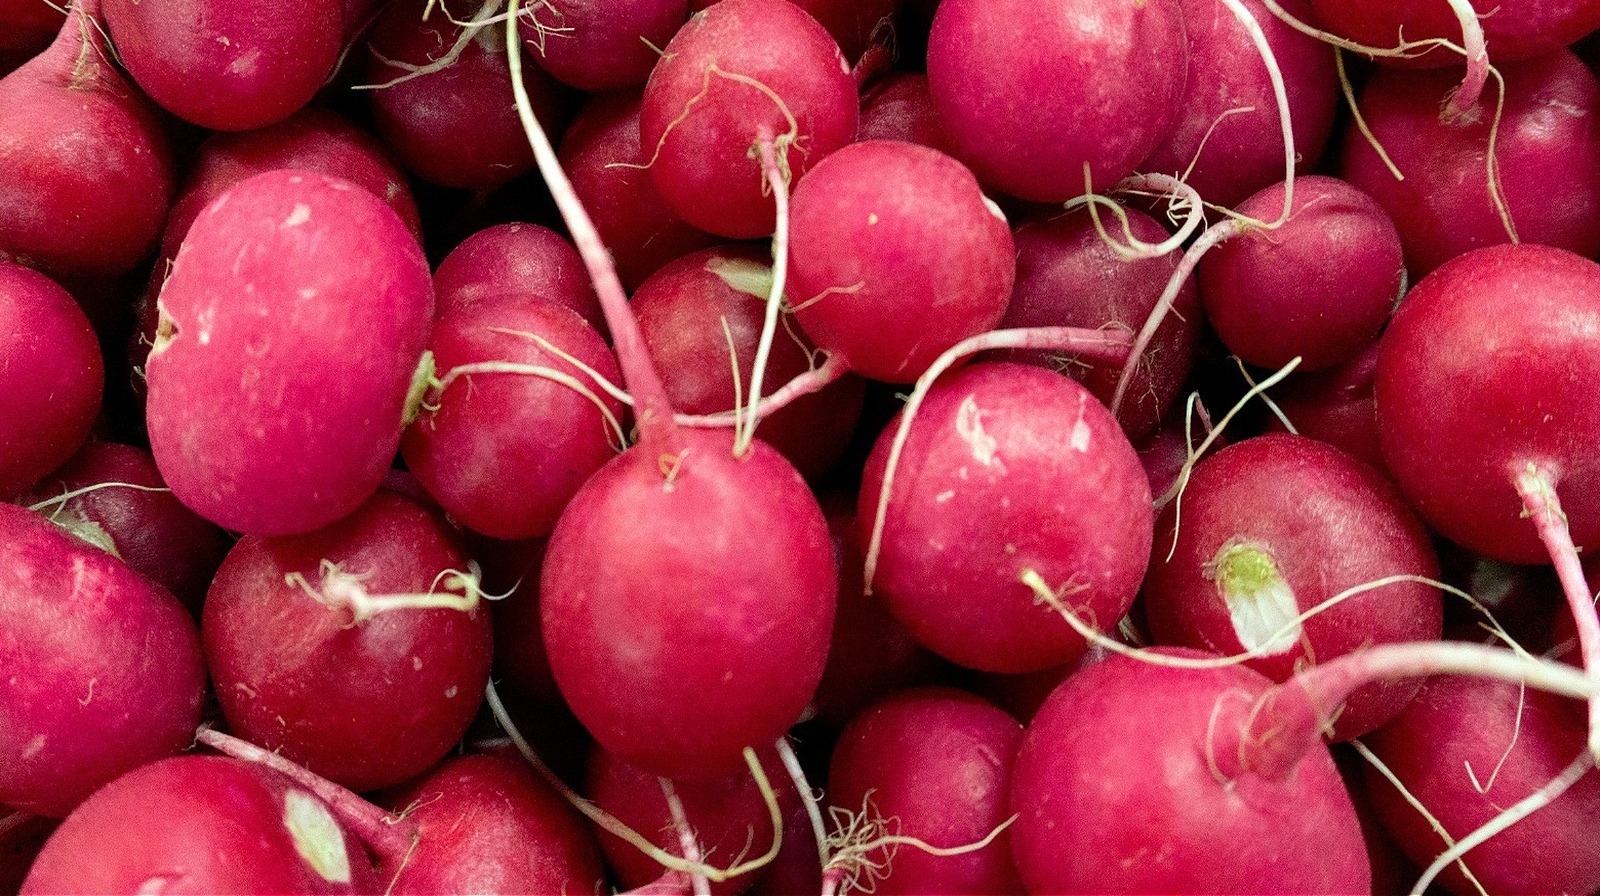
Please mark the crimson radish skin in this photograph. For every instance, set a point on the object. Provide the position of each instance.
(1116, 793)
(224, 826)
(1336, 405)
(366, 697)
(105, 671)
(302, 304)
(517, 257)
(900, 107)
(1008, 467)
(1269, 528)
(1518, 29)
(601, 45)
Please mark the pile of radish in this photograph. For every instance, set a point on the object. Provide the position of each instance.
(799, 446)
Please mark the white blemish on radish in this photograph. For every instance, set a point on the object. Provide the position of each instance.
(246, 690)
(416, 664)
(300, 215)
(969, 426)
(872, 218)
(1261, 604)
(33, 747)
(88, 698)
(316, 835)
(206, 319)
(944, 496)
(1079, 440)
(223, 39)
(152, 886)
(994, 209)
(246, 65)
(450, 692)
(307, 293)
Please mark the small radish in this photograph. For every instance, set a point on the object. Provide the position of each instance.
(526, 258)
(601, 45)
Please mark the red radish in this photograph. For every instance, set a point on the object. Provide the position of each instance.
(105, 672)
(21, 837)
(30, 24)
(113, 497)
(302, 304)
(1336, 406)
(439, 99)
(895, 256)
(601, 46)
(521, 667)
(487, 824)
(900, 107)
(932, 764)
(51, 377)
(1546, 160)
(1513, 29)
(696, 311)
(1271, 528)
(521, 258)
(511, 431)
(1007, 467)
(1319, 287)
(1033, 93)
(1069, 275)
(851, 22)
(739, 74)
(1469, 751)
(85, 170)
(225, 66)
(359, 650)
(224, 826)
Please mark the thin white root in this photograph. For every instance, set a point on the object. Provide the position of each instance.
(451, 589)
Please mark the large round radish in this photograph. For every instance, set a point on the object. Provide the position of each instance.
(301, 304)
(895, 256)
(743, 73)
(1033, 93)
(1008, 467)
(103, 671)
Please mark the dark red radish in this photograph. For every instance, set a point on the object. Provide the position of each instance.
(728, 816)
(1069, 275)
(740, 74)
(488, 824)
(796, 867)
(511, 569)
(933, 764)
(29, 25)
(1336, 406)
(601, 45)
(85, 169)
(1117, 788)
(439, 97)
(702, 314)
(1469, 751)
(1227, 142)
(853, 23)
(1007, 467)
(104, 667)
(510, 429)
(899, 106)
(51, 377)
(516, 258)
(22, 835)
(302, 304)
(113, 497)
(202, 824)
(226, 66)
(895, 256)
(1271, 528)
(359, 651)
(601, 153)
(1513, 29)
(1033, 93)
(1547, 160)
(1319, 287)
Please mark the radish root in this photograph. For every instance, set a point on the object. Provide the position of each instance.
(336, 588)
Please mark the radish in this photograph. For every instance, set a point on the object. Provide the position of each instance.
(899, 106)
(601, 46)
(740, 74)
(30, 25)
(1038, 97)
(1518, 29)
(1335, 405)
(303, 304)
(51, 377)
(359, 650)
(225, 826)
(85, 169)
(526, 258)
(104, 667)
(225, 66)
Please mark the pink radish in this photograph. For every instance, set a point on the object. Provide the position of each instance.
(522, 258)
(601, 46)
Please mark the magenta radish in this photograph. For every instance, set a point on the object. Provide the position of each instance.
(1471, 750)
(1269, 529)
(900, 107)
(895, 256)
(359, 651)
(739, 74)
(224, 66)
(1319, 287)
(1068, 275)
(85, 169)
(106, 671)
(932, 764)
(51, 377)
(225, 826)
(302, 304)
(601, 46)
(1546, 159)
(1518, 29)
(113, 497)
(1007, 467)
(523, 258)
(1032, 94)
(511, 429)
(702, 314)
(1336, 406)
